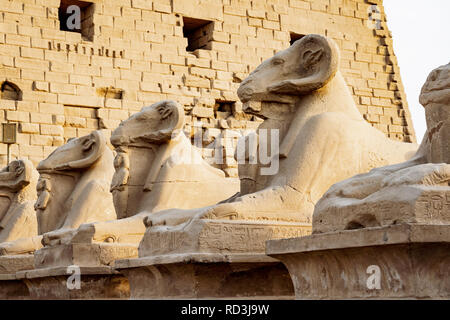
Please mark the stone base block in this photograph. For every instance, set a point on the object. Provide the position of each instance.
(217, 236)
(412, 204)
(397, 262)
(83, 254)
(52, 283)
(207, 276)
(13, 263)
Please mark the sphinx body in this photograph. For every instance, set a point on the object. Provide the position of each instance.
(73, 188)
(303, 99)
(415, 191)
(17, 197)
(156, 168)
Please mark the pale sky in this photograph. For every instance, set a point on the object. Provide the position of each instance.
(421, 32)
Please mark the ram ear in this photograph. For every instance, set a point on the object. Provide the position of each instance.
(92, 146)
(172, 121)
(318, 59)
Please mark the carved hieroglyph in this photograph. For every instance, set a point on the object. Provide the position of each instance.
(416, 191)
(303, 98)
(157, 168)
(17, 197)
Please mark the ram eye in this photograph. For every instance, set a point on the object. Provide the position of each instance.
(277, 61)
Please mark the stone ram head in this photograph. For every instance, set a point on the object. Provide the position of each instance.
(309, 64)
(154, 124)
(77, 153)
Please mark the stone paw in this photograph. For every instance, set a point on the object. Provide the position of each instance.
(221, 211)
(54, 238)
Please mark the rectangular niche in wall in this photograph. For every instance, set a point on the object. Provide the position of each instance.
(223, 109)
(77, 16)
(295, 36)
(198, 32)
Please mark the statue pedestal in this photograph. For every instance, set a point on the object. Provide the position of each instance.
(10, 286)
(46, 275)
(83, 254)
(411, 261)
(207, 276)
(95, 283)
(211, 259)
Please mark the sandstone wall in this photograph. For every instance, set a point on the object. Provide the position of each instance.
(133, 53)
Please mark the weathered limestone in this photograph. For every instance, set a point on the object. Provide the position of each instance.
(384, 234)
(412, 261)
(138, 55)
(207, 276)
(416, 191)
(73, 188)
(309, 113)
(156, 168)
(18, 221)
(17, 197)
(323, 139)
(51, 283)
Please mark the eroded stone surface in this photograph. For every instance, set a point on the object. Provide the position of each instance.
(411, 262)
(416, 191)
(9, 264)
(215, 236)
(203, 276)
(73, 188)
(303, 99)
(17, 197)
(323, 139)
(156, 168)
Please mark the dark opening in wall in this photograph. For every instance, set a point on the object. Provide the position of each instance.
(198, 33)
(110, 93)
(77, 16)
(223, 109)
(295, 37)
(9, 91)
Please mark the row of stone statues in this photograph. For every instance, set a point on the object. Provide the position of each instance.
(159, 192)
